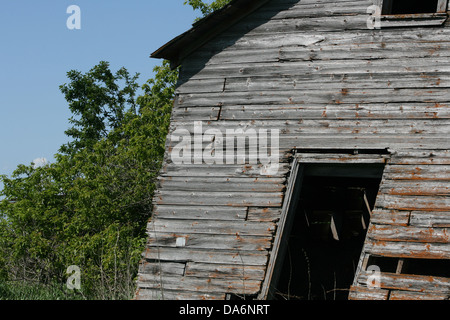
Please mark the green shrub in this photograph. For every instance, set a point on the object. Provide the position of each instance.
(90, 208)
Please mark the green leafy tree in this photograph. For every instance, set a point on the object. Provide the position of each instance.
(97, 103)
(207, 8)
(29, 233)
(90, 207)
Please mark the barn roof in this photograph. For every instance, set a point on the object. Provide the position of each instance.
(206, 29)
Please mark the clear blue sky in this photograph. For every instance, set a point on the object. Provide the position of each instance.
(37, 49)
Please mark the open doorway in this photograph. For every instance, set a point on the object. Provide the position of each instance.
(324, 234)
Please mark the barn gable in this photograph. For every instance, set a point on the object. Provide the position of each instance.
(342, 179)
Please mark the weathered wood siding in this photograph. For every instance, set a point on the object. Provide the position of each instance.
(313, 70)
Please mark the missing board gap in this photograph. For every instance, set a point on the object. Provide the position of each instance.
(427, 267)
(385, 264)
(399, 7)
(411, 266)
(355, 151)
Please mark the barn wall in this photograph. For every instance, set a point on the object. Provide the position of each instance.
(313, 70)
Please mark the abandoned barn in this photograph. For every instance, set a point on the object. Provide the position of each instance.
(308, 155)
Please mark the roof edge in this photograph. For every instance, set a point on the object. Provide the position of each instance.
(205, 29)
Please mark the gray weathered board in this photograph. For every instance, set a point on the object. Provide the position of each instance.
(313, 70)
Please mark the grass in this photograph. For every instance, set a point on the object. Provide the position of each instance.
(20, 290)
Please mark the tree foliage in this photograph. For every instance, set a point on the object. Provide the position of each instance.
(207, 8)
(97, 103)
(90, 207)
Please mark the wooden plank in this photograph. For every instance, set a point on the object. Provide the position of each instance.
(410, 282)
(336, 112)
(351, 82)
(415, 188)
(336, 225)
(259, 129)
(298, 125)
(442, 6)
(233, 199)
(205, 270)
(332, 76)
(414, 234)
(222, 184)
(317, 141)
(369, 51)
(145, 293)
(411, 37)
(349, 36)
(418, 172)
(328, 96)
(400, 266)
(418, 203)
(412, 153)
(318, 67)
(218, 213)
(198, 113)
(341, 158)
(367, 213)
(323, 125)
(421, 161)
(212, 242)
(301, 25)
(263, 49)
(319, 24)
(208, 285)
(408, 249)
(248, 155)
(236, 257)
(433, 159)
(329, 52)
(363, 293)
(413, 20)
(219, 170)
(390, 217)
(212, 227)
(283, 228)
(411, 296)
(264, 214)
(430, 219)
(308, 82)
(158, 268)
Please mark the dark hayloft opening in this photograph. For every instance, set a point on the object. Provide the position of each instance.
(328, 232)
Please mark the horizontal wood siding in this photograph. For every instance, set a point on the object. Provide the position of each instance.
(314, 71)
